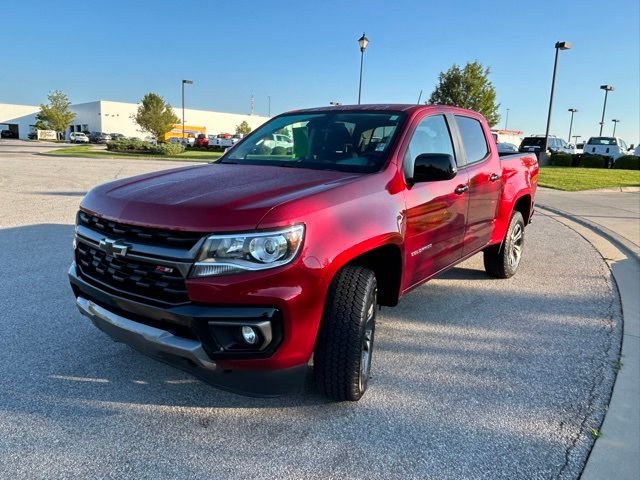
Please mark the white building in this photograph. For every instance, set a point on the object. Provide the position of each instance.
(117, 117)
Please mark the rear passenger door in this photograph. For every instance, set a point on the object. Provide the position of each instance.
(485, 187)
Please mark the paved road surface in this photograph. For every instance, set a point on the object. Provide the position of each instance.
(616, 211)
(473, 377)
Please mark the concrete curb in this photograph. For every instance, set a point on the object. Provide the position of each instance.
(616, 454)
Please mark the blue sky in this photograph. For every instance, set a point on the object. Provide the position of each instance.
(305, 54)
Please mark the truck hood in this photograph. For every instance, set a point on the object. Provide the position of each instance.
(207, 198)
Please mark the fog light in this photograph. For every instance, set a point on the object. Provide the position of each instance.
(249, 335)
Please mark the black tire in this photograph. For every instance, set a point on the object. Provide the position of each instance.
(342, 357)
(501, 261)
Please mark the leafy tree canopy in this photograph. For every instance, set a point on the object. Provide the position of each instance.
(470, 88)
(243, 128)
(56, 114)
(155, 116)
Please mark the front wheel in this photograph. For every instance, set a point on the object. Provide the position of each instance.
(342, 357)
(501, 261)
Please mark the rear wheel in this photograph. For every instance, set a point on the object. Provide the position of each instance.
(501, 261)
(342, 358)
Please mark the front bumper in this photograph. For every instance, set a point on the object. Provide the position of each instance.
(182, 336)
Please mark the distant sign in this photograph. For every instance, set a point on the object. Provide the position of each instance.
(47, 135)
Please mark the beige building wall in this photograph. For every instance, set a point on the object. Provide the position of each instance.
(117, 117)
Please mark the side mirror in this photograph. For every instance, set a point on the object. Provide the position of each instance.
(434, 167)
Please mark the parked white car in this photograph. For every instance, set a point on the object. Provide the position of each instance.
(578, 148)
(78, 137)
(612, 147)
(224, 140)
(278, 140)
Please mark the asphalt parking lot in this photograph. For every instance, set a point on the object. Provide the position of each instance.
(472, 377)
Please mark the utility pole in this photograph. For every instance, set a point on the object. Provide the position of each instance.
(559, 46)
(607, 89)
(572, 110)
(184, 82)
(363, 41)
(615, 124)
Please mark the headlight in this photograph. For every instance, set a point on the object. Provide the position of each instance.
(241, 252)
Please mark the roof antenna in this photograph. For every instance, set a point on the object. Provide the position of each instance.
(419, 97)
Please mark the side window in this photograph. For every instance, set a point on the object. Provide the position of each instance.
(431, 136)
(473, 139)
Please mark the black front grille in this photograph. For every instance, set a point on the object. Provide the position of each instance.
(131, 278)
(132, 233)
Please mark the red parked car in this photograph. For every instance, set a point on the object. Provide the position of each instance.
(244, 270)
(201, 140)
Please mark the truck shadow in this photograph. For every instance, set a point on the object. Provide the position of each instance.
(55, 356)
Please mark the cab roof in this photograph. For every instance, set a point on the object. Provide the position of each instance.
(408, 108)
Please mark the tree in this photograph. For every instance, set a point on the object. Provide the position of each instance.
(56, 115)
(155, 116)
(468, 87)
(243, 128)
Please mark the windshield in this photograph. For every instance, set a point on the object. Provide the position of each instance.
(602, 141)
(334, 140)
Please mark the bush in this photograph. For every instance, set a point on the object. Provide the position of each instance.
(627, 162)
(592, 161)
(576, 159)
(129, 145)
(168, 149)
(560, 159)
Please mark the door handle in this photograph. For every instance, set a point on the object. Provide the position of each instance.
(460, 189)
(494, 176)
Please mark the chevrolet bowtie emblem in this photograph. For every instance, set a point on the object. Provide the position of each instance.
(112, 247)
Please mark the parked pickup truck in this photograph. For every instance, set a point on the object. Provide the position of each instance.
(245, 270)
(609, 147)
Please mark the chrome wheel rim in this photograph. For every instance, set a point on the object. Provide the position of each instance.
(367, 343)
(517, 241)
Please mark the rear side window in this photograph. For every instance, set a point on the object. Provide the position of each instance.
(473, 139)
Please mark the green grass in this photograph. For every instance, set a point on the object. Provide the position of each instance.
(573, 179)
(86, 151)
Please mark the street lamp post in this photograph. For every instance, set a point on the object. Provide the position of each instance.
(575, 139)
(184, 82)
(506, 121)
(607, 89)
(615, 124)
(559, 46)
(572, 110)
(363, 41)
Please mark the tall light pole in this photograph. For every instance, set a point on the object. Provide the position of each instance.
(559, 46)
(363, 41)
(607, 89)
(572, 110)
(184, 82)
(575, 139)
(615, 124)
(506, 122)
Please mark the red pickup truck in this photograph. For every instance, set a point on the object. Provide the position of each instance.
(247, 270)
